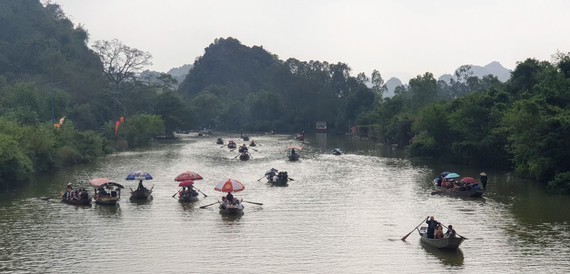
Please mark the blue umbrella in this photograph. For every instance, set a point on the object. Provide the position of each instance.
(451, 176)
(139, 175)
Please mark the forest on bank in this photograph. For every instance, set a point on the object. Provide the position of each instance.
(65, 100)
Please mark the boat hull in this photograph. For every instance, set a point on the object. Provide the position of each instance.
(444, 243)
(279, 182)
(460, 191)
(188, 199)
(294, 157)
(231, 209)
(106, 200)
(83, 201)
(141, 194)
(244, 157)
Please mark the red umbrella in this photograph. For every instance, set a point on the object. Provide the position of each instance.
(231, 185)
(186, 183)
(188, 175)
(468, 180)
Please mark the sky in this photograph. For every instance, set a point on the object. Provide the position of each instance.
(399, 38)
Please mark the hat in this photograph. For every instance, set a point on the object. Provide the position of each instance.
(68, 184)
(483, 174)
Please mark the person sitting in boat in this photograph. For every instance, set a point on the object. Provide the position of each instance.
(243, 148)
(439, 232)
(293, 152)
(432, 224)
(224, 202)
(68, 192)
(439, 180)
(192, 192)
(141, 187)
(252, 143)
(230, 197)
(101, 192)
(269, 174)
(450, 233)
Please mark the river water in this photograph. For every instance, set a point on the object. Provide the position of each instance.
(341, 214)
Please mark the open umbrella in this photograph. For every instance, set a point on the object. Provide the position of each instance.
(188, 175)
(139, 175)
(451, 176)
(468, 180)
(295, 147)
(231, 185)
(186, 183)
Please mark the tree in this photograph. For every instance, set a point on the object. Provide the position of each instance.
(120, 62)
(378, 85)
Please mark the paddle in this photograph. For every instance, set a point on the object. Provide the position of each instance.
(252, 202)
(260, 178)
(176, 193)
(291, 179)
(210, 204)
(253, 149)
(131, 190)
(404, 238)
(455, 232)
(200, 191)
(236, 156)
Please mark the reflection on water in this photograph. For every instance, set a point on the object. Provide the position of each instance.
(447, 257)
(340, 214)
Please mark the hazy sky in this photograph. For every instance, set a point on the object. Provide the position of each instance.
(398, 38)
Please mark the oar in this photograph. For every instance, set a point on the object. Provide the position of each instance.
(291, 179)
(176, 193)
(455, 232)
(200, 191)
(253, 149)
(260, 178)
(236, 156)
(131, 190)
(252, 202)
(404, 238)
(210, 204)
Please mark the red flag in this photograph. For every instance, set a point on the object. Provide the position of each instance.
(117, 123)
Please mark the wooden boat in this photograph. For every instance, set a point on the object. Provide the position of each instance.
(83, 199)
(232, 144)
(252, 143)
(188, 198)
(466, 190)
(104, 197)
(245, 138)
(279, 179)
(231, 209)
(220, 141)
(141, 194)
(443, 243)
(337, 151)
(293, 156)
(300, 136)
(244, 156)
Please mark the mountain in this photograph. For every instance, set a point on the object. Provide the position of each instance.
(180, 73)
(493, 68)
(391, 85)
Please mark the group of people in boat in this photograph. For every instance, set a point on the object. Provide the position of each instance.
(77, 194)
(229, 200)
(274, 175)
(435, 229)
(188, 192)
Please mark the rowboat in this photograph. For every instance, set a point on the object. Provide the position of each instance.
(465, 190)
(277, 178)
(443, 243)
(104, 197)
(231, 209)
(232, 144)
(220, 141)
(188, 198)
(81, 198)
(244, 156)
(141, 194)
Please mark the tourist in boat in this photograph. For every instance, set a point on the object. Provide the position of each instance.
(102, 192)
(450, 233)
(270, 173)
(293, 152)
(432, 224)
(230, 198)
(224, 202)
(252, 143)
(242, 148)
(141, 187)
(68, 192)
(483, 179)
(439, 232)
(439, 180)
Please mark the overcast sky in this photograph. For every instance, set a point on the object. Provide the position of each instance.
(399, 38)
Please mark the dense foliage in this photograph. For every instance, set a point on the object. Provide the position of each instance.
(48, 71)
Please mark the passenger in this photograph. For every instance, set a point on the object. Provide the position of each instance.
(224, 202)
(483, 179)
(230, 197)
(140, 187)
(102, 192)
(439, 180)
(432, 224)
(450, 232)
(439, 232)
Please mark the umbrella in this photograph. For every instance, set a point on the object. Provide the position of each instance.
(295, 147)
(186, 183)
(451, 176)
(99, 182)
(231, 185)
(468, 180)
(444, 173)
(139, 175)
(188, 175)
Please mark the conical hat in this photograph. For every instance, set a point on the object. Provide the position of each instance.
(483, 174)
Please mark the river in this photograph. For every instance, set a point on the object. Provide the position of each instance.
(341, 214)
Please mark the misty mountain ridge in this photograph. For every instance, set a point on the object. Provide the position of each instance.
(494, 68)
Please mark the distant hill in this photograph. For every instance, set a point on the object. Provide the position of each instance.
(180, 73)
(493, 68)
(391, 85)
